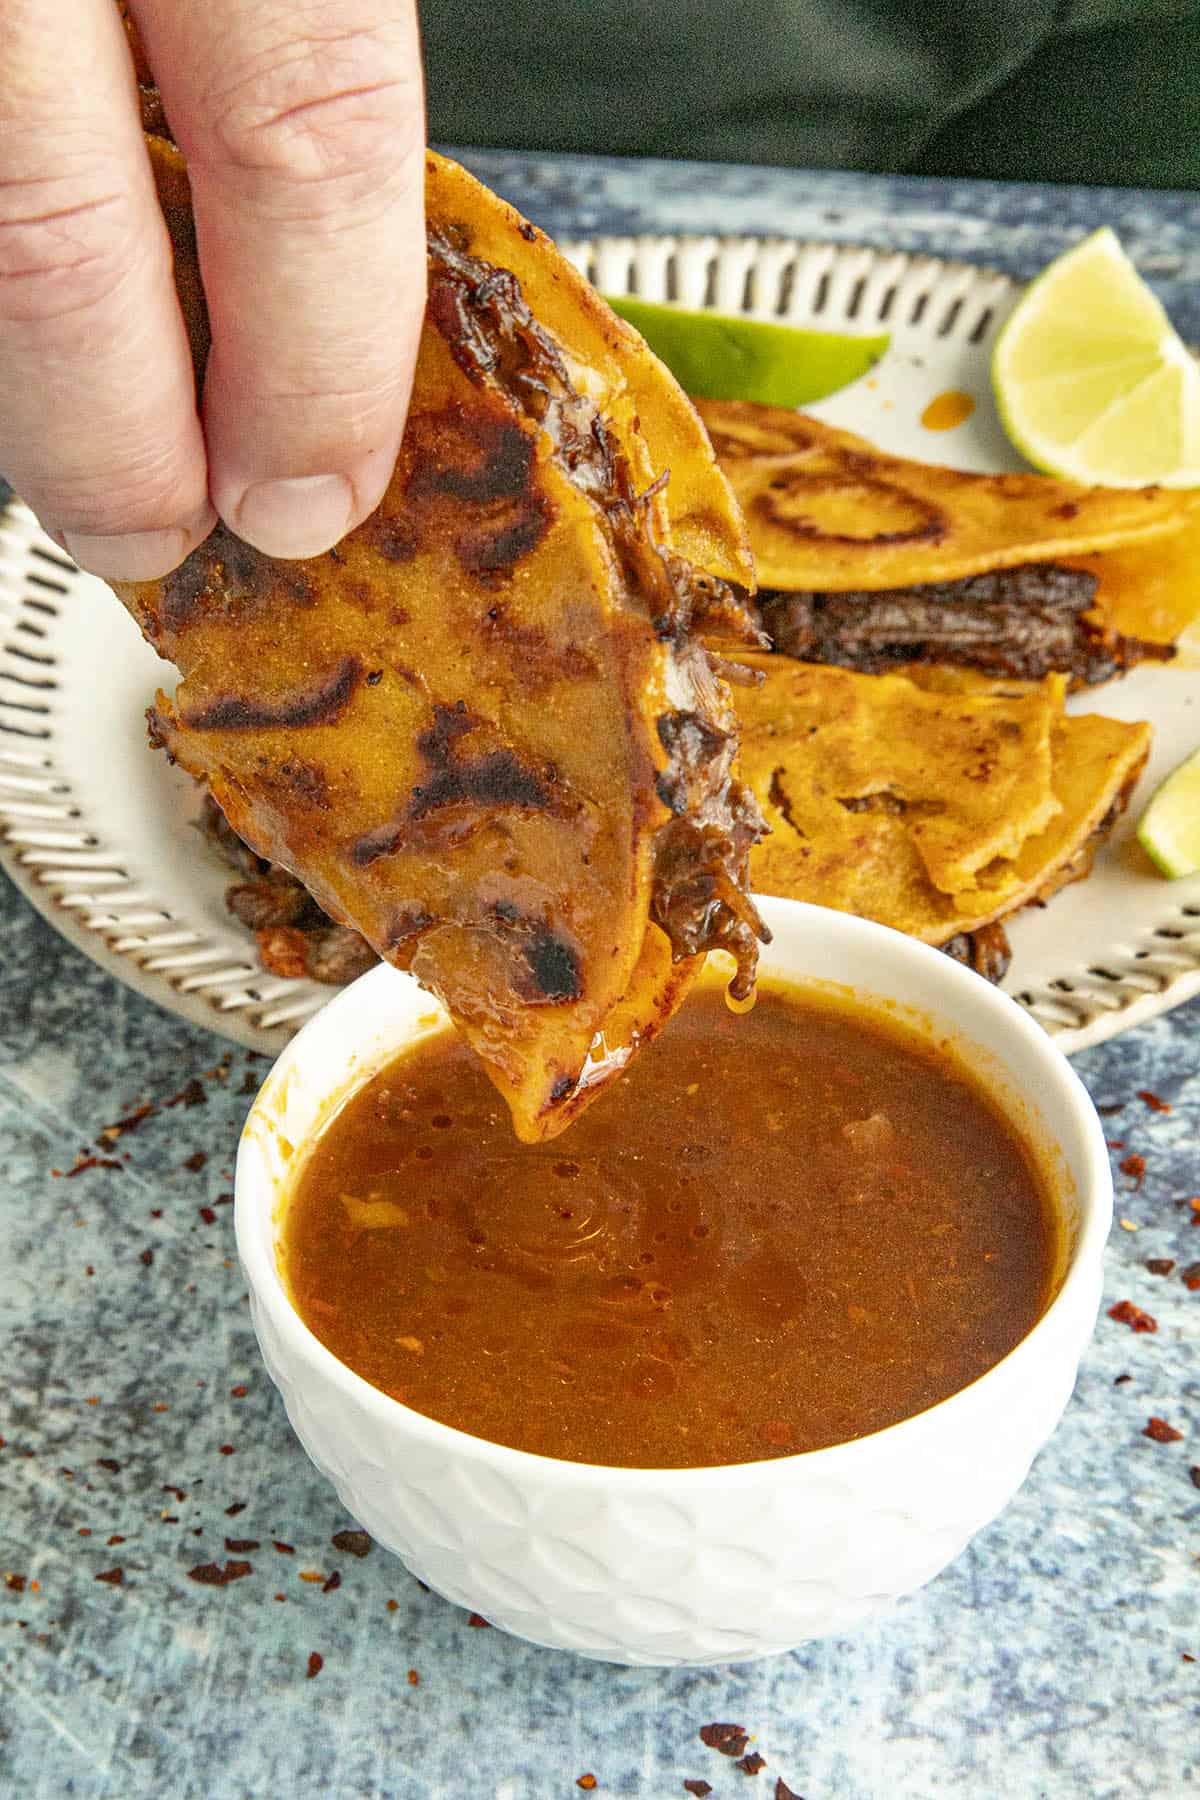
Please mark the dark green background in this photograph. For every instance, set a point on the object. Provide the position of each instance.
(1097, 91)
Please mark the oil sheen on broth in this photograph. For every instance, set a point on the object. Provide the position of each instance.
(779, 1231)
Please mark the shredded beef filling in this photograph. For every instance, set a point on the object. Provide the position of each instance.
(1020, 623)
(987, 950)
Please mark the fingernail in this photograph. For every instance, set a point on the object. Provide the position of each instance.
(133, 556)
(302, 517)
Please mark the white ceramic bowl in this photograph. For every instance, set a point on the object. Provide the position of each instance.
(695, 1565)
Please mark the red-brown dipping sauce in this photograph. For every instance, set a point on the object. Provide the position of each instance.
(779, 1231)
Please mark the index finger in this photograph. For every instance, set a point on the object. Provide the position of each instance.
(303, 128)
(98, 425)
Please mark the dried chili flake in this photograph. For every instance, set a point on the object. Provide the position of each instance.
(249, 1083)
(316, 1662)
(784, 1792)
(414, 1680)
(751, 1763)
(196, 1161)
(1160, 1265)
(1194, 1472)
(1195, 1206)
(14, 1582)
(730, 1740)
(1190, 1277)
(110, 1463)
(316, 1575)
(232, 1511)
(1134, 1166)
(1114, 1143)
(207, 1214)
(179, 1493)
(1109, 1108)
(697, 1787)
(116, 1538)
(239, 1392)
(146, 1257)
(1126, 1313)
(586, 1782)
(1161, 1432)
(212, 1574)
(130, 1122)
(477, 1622)
(190, 1094)
(225, 1449)
(1184, 1657)
(393, 1606)
(223, 1200)
(160, 1406)
(87, 1162)
(239, 1546)
(354, 1543)
(334, 1582)
(114, 1577)
(1153, 1101)
(284, 1549)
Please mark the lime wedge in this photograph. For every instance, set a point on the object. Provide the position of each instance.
(1169, 829)
(1091, 380)
(716, 356)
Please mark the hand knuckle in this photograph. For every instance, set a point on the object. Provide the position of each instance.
(146, 494)
(60, 254)
(322, 113)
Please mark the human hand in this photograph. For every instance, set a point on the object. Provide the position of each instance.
(303, 126)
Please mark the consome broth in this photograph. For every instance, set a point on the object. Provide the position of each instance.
(780, 1231)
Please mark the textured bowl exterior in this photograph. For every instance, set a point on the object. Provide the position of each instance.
(698, 1565)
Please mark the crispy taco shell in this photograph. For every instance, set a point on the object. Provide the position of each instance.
(826, 510)
(847, 805)
(480, 730)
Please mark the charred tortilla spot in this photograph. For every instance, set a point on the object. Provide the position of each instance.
(538, 660)
(322, 704)
(305, 781)
(490, 553)
(497, 780)
(915, 519)
(395, 539)
(481, 457)
(477, 454)
(563, 1085)
(549, 972)
(222, 571)
(553, 966)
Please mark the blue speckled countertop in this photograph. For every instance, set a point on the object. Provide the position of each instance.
(139, 1430)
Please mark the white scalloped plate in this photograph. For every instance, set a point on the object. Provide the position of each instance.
(98, 833)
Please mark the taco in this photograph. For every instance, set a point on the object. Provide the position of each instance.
(868, 560)
(855, 772)
(482, 731)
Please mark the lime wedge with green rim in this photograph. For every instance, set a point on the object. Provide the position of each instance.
(1092, 381)
(1169, 829)
(717, 356)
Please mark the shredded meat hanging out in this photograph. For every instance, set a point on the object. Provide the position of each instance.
(987, 950)
(700, 899)
(1020, 623)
